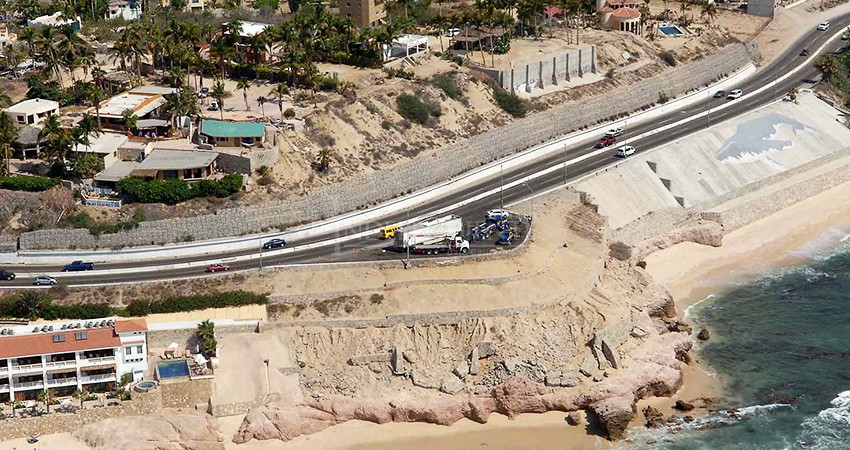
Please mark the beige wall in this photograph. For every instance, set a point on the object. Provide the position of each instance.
(365, 13)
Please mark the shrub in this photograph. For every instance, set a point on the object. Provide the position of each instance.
(175, 191)
(195, 302)
(668, 58)
(289, 113)
(86, 165)
(399, 73)
(641, 264)
(27, 183)
(510, 103)
(328, 84)
(447, 82)
(376, 299)
(413, 108)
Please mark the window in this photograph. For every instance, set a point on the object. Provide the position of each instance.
(128, 350)
(139, 349)
(81, 335)
(58, 338)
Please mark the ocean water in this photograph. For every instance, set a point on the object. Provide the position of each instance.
(781, 344)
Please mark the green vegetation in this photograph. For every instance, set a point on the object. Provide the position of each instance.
(510, 102)
(447, 82)
(668, 58)
(412, 108)
(37, 305)
(27, 183)
(206, 336)
(83, 220)
(175, 191)
(836, 71)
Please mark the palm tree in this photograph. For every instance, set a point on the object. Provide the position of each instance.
(95, 95)
(81, 394)
(709, 9)
(243, 86)
(279, 92)
(56, 140)
(5, 100)
(260, 102)
(29, 304)
(219, 93)
(87, 126)
(45, 397)
(130, 120)
(8, 135)
(323, 160)
(221, 51)
(206, 336)
(829, 66)
(50, 53)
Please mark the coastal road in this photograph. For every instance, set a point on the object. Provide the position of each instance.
(370, 248)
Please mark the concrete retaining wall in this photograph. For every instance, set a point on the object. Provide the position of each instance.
(369, 189)
(187, 338)
(553, 69)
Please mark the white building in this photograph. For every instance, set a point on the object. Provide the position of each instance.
(69, 355)
(33, 111)
(124, 9)
(56, 20)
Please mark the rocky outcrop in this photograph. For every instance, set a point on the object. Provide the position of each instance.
(168, 430)
(703, 232)
(614, 415)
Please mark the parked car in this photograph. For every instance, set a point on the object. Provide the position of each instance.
(213, 106)
(6, 275)
(734, 95)
(607, 141)
(205, 91)
(45, 280)
(805, 52)
(614, 132)
(823, 26)
(626, 150)
(212, 268)
(498, 214)
(274, 243)
(720, 94)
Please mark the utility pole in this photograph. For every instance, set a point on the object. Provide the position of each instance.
(501, 188)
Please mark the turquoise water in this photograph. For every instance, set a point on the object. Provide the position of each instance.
(781, 344)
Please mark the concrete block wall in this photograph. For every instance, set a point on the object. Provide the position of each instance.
(233, 163)
(550, 70)
(369, 189)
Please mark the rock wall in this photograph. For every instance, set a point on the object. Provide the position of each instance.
(168, 430)
(368, 189)
(187, 338)
(186, 394)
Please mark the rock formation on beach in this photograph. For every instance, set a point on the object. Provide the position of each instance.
(167, 430)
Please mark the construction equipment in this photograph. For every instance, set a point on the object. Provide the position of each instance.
(456, 244)
(507, 237)
(428, 231)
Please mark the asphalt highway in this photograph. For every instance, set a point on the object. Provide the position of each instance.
(371, 248)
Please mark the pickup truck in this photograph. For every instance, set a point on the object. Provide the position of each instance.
(78, 266)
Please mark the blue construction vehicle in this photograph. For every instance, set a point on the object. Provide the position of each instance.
(507, 237)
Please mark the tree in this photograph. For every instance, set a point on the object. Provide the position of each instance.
(260, 102)
(323, 160)
(219, 93)
(81, 394)
(206, 336)
(57, 143)
(709, 10)
(30, 304)
(88, 127)
(243, 86)
(829, 65)
(279, 92)
(95, 95)
(5, 100)
(45, 397)
(8, 135)
(130, 120)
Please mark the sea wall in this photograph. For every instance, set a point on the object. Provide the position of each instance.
(369, 189)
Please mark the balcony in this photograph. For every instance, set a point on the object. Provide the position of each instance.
(100, 360)
(62, 381)
(29, 385)
(27, 368)
(60, 364)
(98, 378)
(4, 388)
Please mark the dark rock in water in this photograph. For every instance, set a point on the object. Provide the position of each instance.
(573, 418)
(683, 406)
(689, 419)
(650, 441)
(683, 327)
(703, 335)
(654, 417)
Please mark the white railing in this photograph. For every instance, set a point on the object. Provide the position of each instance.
(4, 388)
(29, 384)
(27, 367)
(99, 360)
(102, 377)
(60, 381)
(56, 364)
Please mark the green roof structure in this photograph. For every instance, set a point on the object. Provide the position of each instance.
(225, 129)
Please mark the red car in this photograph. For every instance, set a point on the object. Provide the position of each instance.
(217, 268)
(607, 141)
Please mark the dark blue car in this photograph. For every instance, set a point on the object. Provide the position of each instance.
(274, 243)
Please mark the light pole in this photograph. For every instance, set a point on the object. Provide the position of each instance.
(525, 183)
(565, 165)
(501, 188)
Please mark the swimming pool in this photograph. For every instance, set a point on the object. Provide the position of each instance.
(146, 386)
(172, 369)
(670, 30)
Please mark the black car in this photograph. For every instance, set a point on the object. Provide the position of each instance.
(805, 52)
(274, 243)
(720, 94)
(6, 275)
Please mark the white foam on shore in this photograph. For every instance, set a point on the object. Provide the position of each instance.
(687, 313)
(827, 243)
(830, 428)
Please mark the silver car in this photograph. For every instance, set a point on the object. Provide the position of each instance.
(45, 280)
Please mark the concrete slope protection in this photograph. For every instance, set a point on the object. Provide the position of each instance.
(519, 183)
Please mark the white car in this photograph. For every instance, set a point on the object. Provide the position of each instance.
(45, 280)
(497, 213)
(823, 26)
(734, 95)
(614, 132)
(452, 32)
(626, 150)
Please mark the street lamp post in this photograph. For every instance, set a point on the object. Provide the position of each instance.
(565, 165)
(525, 183)
(501, 188)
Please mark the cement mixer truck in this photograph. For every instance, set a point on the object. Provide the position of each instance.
(429, 232)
